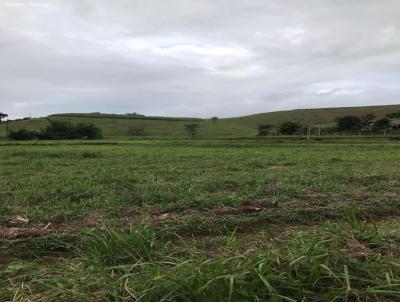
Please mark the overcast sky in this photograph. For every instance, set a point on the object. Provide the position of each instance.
(196, 58)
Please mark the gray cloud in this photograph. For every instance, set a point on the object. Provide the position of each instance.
(196, 58)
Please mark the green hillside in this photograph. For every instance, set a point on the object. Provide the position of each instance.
(319, 117)
(117, 126)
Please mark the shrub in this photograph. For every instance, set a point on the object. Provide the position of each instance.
(368, 119)
(289, 128)
(265, 129)
(348, 123)
(23, 134)
(66, 130)
(59, 130)
(381, 124)
(88, 131)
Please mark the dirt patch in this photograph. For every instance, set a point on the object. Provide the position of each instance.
(223, 193)
(249, 206)
(5, 259)
(355, 249)
(257, 206)
(277, 167)
(6, 194)
(275, 189)
(223, 210)
(351, 197)
(312, 200)
(18, 232)
(130, 219)
(164, 217)
(17, 228)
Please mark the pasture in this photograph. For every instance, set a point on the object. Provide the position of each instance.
(201, 220)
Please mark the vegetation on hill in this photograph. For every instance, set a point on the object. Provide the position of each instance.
(58, 131)
(315, 117)
(124, 116)
(116, 126)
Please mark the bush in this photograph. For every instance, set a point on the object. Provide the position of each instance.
(368, 119)
(289, 128)
(23, 134)
(59, 130)
(264, 130)
(381, 124)
(348, 123)
(88, 131)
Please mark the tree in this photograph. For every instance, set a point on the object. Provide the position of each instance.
(289, 128)
(214, 119)
(2, 116)
(348, 123)
(23, 134)
(88, 131)
(66, 130)
(368, 119)
(381, 124)
(265, 129)
(59, 130)
(192, 129)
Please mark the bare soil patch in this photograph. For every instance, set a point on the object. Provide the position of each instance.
(20, 227)
(249, 206)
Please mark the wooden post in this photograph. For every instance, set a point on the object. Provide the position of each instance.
(7, 128)
(308, 132)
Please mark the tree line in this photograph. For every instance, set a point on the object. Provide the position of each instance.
(368, 122)
(347, 123)
(59, 131)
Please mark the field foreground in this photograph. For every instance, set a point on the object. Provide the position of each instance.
(199, 221)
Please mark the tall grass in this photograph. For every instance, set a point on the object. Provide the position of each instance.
(111, 246)
(347, 262)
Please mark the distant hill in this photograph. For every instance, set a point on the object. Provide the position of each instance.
(319, 116)
(124, 116)
(118, 126)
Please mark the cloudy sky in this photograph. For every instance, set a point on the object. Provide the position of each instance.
(196, 57)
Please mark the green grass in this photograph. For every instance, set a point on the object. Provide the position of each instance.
(201, 220)
(346, 262)
(117, 126)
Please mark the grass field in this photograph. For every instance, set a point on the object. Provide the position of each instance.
(202, 220)
(117, 126)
